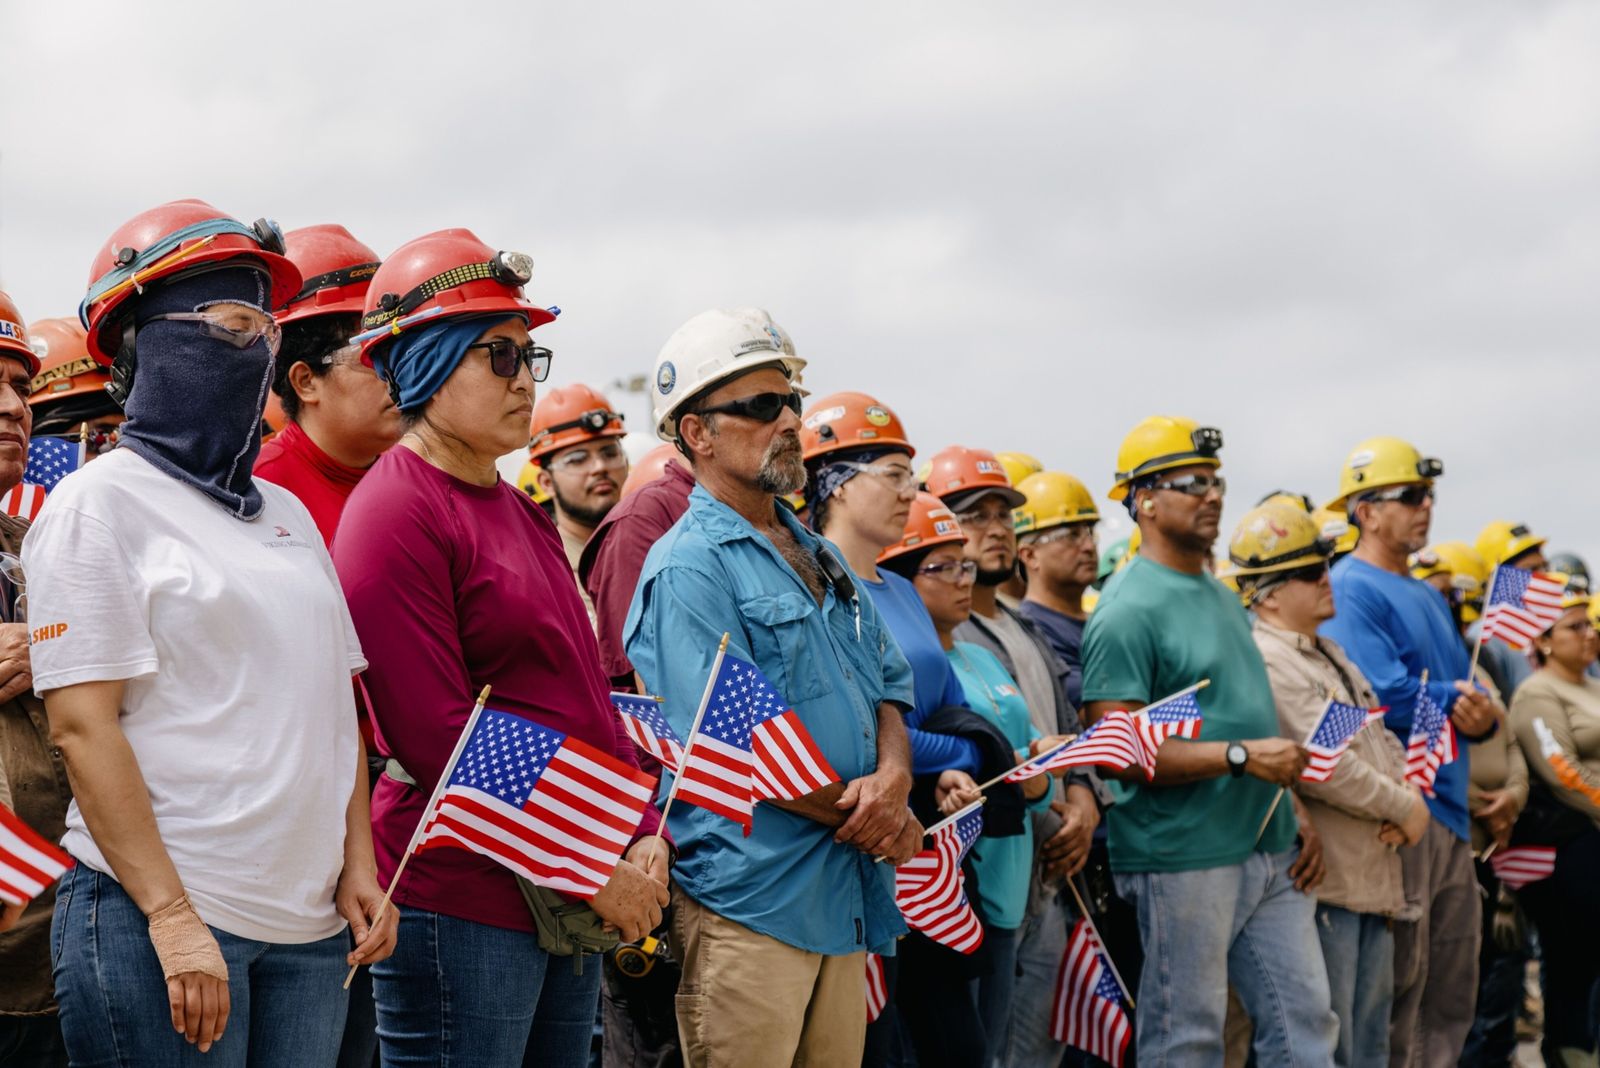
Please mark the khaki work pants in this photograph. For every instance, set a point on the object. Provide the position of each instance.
(747, 999)
(1436, 958)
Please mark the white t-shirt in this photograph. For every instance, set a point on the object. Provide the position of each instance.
(238, 649)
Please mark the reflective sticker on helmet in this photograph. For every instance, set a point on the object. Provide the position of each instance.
(877, 415)
(941, 527)
(826, 415)
(866, 435)
(913, 539)
(989, 467)
(777, 338)
(1361, 459)
(9, 329)
(666, 377)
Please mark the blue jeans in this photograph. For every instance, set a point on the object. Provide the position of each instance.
(1041, 941)
(1358, 949)
(459, 993)
(287, 1001)
(993, 991)
(1246, 925)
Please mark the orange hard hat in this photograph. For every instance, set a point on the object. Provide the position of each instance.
(650, 467)
(165, 241)
(337, 270)
(960, 476)
(843, 421)
(930, 523)
(442, 275)
(14, 336)
(571, 415)
(65, 368)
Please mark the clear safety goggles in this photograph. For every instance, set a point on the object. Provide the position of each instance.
(240, 327)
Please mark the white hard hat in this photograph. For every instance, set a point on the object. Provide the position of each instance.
(713, 347)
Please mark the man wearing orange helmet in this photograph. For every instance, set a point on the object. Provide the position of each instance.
(69, 393)
(33, 778)
(577, 446)
(340, 417)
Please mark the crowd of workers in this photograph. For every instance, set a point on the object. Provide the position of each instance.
(191, 606)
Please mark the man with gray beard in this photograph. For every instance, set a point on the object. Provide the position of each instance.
(771, 928)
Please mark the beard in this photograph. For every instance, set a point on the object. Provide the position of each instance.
(998, 576)
(782, 471)
(584, 514)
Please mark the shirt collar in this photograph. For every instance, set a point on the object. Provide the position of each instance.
(1290, 637)
(722, 524)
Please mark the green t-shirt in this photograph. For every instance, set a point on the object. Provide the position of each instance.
(1154, 632)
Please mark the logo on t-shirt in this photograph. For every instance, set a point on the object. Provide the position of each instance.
(283, 532)
(48, 631)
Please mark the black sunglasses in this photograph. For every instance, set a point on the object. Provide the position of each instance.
(1310, 573)
(763, 407)
(1410, 496)
(506, 357)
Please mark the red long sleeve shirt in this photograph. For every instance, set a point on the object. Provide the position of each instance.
(295, 462)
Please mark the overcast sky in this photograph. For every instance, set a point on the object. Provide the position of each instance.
(1022, 226)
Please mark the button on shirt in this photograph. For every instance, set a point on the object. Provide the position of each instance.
(714, 573)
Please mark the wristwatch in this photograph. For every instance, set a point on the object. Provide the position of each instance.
(1237, 755)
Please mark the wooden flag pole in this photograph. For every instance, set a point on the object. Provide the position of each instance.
(416, 835)
(942, 824)
(1270, 810)
(1083, 910)
(694, 732)
(1477, 646)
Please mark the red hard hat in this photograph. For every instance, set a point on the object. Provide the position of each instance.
(571, 415)
(14, 336)
(442, 275)
(930, 523)
(165, 241)
(651, 466)
(957, 471)
(842, 421)
(65, 368)
(337, 270)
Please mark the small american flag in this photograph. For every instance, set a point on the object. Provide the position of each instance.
(28, 863)
(1178, 715)
(1112, 742)
(649, 729)
(550, 807)
(750, 747)
(1432, 743)
(24, 500)
(1090, 1012)
(931, 890)
(877, 988)
(1522, 605)
(50, 460)
(1521, 865)
(1332, 736)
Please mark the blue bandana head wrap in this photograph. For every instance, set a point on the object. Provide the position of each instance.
(195, 408)
(418, 361)
(828, 477)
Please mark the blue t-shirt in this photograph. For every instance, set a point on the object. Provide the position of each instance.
(935, 684)
(1393, 627)
(1004, 864)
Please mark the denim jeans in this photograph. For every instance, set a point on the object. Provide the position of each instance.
(993, 992)
(1243, 924)
(1358, 949)
(460, 993)
(287, 1001)
(1041, 941)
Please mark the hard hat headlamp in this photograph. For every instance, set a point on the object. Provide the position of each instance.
(1429, 467)
(511, 269)
(1207, 440)
(594, 420)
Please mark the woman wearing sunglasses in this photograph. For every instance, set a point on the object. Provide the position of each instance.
(1280, 561)
(1556, 715)
(931, 554)
(220, 821)
(457, 580)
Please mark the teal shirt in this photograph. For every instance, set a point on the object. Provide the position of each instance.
(1154, 632)
(1003, 864)
(714, 573)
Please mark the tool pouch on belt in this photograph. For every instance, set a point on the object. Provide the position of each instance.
(565, 928)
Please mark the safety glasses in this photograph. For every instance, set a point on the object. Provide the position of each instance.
(898, 478)
(953, 572)
(506, 358)
(1070, 532)
(576, 459)
(1411, 496)
(240, 327)
(1309, 573)
(1195, 485)
(763, 407)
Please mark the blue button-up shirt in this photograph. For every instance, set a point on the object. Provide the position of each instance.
(714, 573)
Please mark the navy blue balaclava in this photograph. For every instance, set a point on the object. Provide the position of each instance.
(195, 408)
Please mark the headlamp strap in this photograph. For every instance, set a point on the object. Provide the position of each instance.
(439, 283)
(334, 280)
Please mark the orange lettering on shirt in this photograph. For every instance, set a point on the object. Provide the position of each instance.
(48, 631)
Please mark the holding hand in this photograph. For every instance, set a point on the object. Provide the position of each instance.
(1275, 760)
(1309, 868)
(631, 902)
(16, 667)
(878, 813)
(1475, 713)
(955, 791)
(1498, 814)
(1066, 851)
(358, 899)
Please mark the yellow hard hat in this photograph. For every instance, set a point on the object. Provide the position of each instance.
(1594, 611)
(1053, 498)
(1222, 568)
(1576, 595)
(1337, 528)
(528, 482)
(1299, 500)
(1018, 465)
(1091, 597)
(1457, 559)
(1379, 462)
(1161, 443)
(1501, 541)
(1276, 536)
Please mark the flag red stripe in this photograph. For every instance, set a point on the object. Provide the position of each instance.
(584, 852)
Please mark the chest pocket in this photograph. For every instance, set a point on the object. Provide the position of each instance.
(779, 626)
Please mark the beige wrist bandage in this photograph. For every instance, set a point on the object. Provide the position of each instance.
(184, 943)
